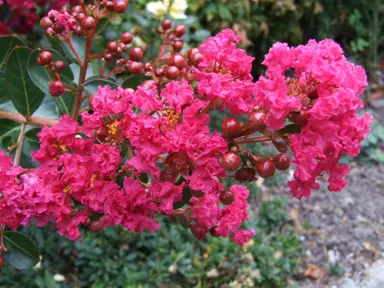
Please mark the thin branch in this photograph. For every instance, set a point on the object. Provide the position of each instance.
(254, 140)
(19, 148)
(33, 120)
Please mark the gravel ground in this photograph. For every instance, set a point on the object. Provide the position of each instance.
(344, 230)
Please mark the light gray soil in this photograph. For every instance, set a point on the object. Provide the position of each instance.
(345, 228)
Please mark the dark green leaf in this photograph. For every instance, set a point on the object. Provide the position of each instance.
(134, 81)
(22, 252)
(78, 44)
(201, 35)
(41, 76)
(290, 129)
(182, 220)
(93, 82)
(31, 144)
(9, 131)
(187, 195)
(102, 24)
(7, 44)
(65, 103)
(25, 95)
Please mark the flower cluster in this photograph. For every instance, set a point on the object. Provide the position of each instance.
(147, 152)
(323, 97)
(23, 15)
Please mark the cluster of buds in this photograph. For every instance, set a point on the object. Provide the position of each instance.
(117, 6)
(81, 20)
(45, 59)
(262, 165)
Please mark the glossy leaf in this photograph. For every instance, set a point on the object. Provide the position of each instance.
(93, 82)
(7, 44)
(22, 252)
(103, 23)
(290, 129)
(25, 95)
(78, 44)
(134, 81)
(9, 131)
(31, 144)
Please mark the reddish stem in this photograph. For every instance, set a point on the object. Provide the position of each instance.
(83, 73)
(254, 140)
(96, 56)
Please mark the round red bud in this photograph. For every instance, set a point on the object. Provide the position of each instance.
(192, 52)
(230, 127)
(76, 9)
(148, 84)
(245, 175)
(126, 38)
(60, 65)
(112, 46)
(120, 6)
(136, 54)
(282, 162)
(134, 67)
(1, 261)
(227, 197)
(197, 58)
(159, 72)
(230, 161)
(56, 88)
(45, 22)
(167, 24)
(148, 66)
(257, 120)
(88, 23)
(179, 30)
(95, 227)
(172, 72)
(108, 57)
(46, 58)
(266, 168)
(80, 17)
(177, 46)
(177, 60)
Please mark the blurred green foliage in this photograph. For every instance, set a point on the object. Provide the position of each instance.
(355, 24)
(171, 257)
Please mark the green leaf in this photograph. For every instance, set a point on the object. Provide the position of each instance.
(9, 131)
(180, 217)
(31, 144)
(134, 81)
(41, 76)
(22, 252)
(93, 82)
(290, 129)
(65, 103)
(101, 26)
(201, 35)
(25, 95)
(78, 44)
(7, 44)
